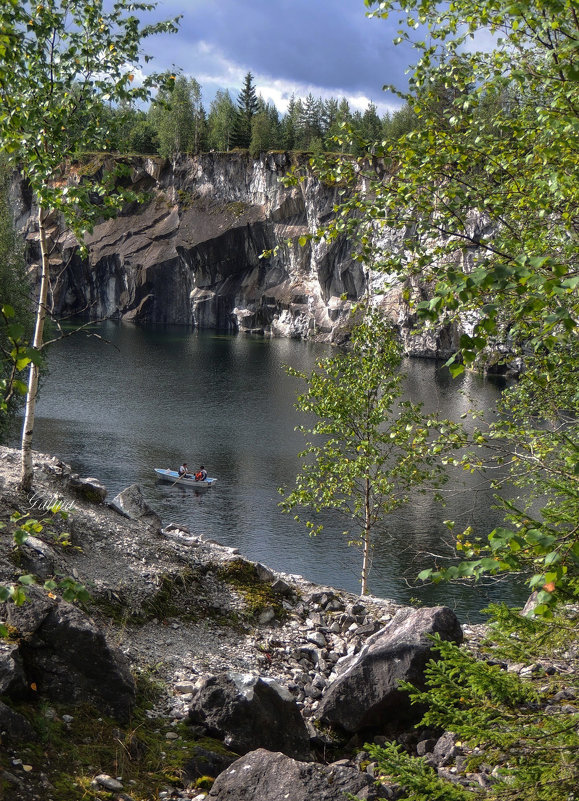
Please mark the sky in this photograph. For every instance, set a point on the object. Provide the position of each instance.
(326, 47)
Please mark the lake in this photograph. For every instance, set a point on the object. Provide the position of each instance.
(136, 398)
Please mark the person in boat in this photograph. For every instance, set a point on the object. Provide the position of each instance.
(201, 474)
(184, 470)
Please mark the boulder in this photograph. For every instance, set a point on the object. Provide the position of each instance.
(67, 657)
(14, 725)
(265, 776)
(12, 677)
(131, 503)
(89, 489)
(249, 712)
(207, 761)
(366, 695)
(445, 749)
(37, 557)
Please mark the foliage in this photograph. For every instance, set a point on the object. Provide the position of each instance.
(310, 124)
(132, 130)
(498, 718)
(16, 315)
(535, 439)
(220, 122)
(369, 451)
(178, 118)
(480, 199)
(61, 62)
(513, 168)
(20, 528)
(419, 781)
(264, 129)
(247, 107)
(479, 195)
(16, 356)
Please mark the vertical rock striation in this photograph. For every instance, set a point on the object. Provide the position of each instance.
(191, 253)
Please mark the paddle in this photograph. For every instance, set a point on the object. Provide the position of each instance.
(183, 475)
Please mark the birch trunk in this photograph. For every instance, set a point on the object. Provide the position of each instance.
(366, 552)
(27, 472)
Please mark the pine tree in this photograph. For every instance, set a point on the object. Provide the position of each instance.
(247, 106)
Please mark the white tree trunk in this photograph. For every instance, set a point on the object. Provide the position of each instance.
(27, 472)
(366, 539)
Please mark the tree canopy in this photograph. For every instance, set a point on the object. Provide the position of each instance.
(481, 199)
(61, 62)
(178, 118)
(368, 452)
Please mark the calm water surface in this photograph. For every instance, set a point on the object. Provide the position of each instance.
(153, 397)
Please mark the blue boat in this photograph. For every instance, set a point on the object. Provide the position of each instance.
(184, 481)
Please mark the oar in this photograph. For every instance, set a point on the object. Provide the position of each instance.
(179, 479)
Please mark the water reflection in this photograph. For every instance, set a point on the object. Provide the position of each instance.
(157, 396)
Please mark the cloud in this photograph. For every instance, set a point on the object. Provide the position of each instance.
(326, 47)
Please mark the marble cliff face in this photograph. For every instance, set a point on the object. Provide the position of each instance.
(192, 254)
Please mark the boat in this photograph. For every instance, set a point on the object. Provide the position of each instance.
(184, 481)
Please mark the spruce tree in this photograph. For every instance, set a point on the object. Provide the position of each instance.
(247, 107)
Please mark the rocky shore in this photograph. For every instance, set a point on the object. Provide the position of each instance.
(288, 679)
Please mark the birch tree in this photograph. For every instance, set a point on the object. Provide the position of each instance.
(61, 63)
(368, 452)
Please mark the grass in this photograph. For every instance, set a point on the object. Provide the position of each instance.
(258, 595)
(76, 744)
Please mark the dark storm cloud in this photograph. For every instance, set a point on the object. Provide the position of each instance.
(327, 44)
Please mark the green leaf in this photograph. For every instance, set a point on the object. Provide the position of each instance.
(456, 370)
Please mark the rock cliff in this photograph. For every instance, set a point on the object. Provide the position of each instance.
(191, 253)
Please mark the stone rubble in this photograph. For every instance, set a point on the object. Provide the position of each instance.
(302, 641)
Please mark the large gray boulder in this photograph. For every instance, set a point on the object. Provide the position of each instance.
(249, 712)
(265, 776)
(67, 657)
(89, 489)
(132, 504)
(366, 694)
(12, 677)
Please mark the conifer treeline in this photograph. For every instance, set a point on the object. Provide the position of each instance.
(179, 123)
